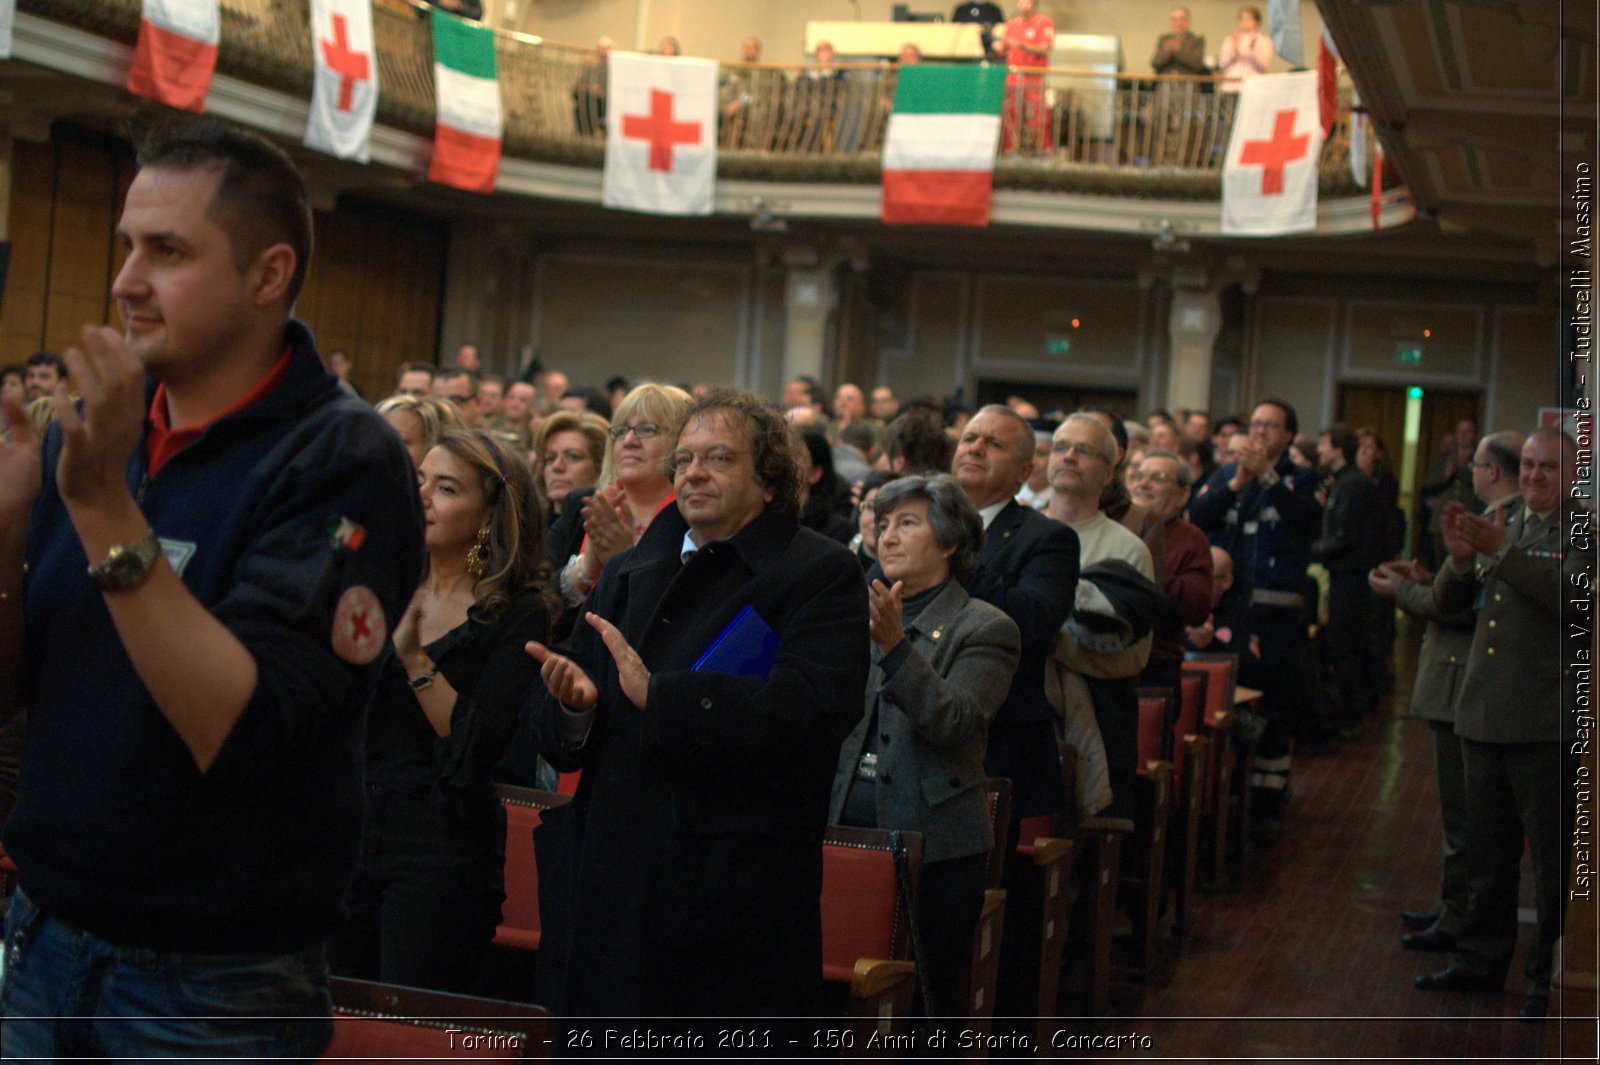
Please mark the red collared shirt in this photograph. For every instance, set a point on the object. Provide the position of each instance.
(162, 442)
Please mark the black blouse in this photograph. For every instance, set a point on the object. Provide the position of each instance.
(491, 673)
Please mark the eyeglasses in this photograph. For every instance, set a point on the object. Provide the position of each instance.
(1153, 478)
(643, 430)
(1268, 425)
(717, 460)
(1083, 451)
(460, 401)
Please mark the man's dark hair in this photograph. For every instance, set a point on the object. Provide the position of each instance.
(1291, 420)
(774, 447)
(260, 198)
(861, 434)
(1344, 438)
(918, 437)
(1162, 414)
(1233, 419)
(492, 379)
(414, 367)
(451, 373)
(1504, 459)
(48, 358)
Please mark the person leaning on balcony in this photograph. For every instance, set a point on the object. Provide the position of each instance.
(736, 92)
(589, 91)
(472, 9)
(1246, 51)
(1180, 50)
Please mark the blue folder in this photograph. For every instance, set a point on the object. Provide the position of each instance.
(746, 648)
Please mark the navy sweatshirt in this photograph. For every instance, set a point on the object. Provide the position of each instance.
(116, 830)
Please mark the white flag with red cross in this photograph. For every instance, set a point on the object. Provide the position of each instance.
(661, 134)
(344, 89)
(1269, 181)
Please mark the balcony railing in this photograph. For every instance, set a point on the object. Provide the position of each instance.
(1066, 130)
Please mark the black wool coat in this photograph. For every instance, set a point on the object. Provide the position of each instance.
(685, 876)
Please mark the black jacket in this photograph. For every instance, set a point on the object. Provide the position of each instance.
(685, 876)
(1028, 568)
(1352, 527)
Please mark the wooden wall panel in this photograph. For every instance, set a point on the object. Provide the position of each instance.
(22, 309)
(82, 237)
(373, 290)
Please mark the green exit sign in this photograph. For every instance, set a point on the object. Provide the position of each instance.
(1058, 347)
(1408, 354)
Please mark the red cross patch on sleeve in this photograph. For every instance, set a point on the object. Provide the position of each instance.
(359, 627)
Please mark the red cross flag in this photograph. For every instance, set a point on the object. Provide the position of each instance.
(344, 90)
(1269, 182)
(661, 134)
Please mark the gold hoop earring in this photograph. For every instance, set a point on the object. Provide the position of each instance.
(478, 554)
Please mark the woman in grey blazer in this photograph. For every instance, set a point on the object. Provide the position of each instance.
(941, 666)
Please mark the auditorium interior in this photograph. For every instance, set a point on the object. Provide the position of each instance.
(1104, 279)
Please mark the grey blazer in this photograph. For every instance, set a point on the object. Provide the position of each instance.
(933, 724)
(1512, 690)
(1443, 658)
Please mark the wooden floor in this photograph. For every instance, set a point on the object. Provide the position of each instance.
(1304, 958)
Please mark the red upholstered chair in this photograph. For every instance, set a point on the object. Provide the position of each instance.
(1143, 871)
(1227, 811)
(1191, 755)
(519, 914)
(381, 1022)
(1039, 895)
(866, 940)
(567, 783)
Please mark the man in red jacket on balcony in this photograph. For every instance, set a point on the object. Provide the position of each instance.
(1029, 37)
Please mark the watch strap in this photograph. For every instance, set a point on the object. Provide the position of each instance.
(127, 565)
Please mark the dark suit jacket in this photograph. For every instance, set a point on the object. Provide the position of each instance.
(685, 876)
(1028, 568)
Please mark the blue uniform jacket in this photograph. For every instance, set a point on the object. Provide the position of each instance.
(116, 829)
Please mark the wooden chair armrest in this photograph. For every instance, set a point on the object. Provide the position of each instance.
(1158, 769)
(874, 976)
(1107, 824)
(994, 900)
(1048, 850)
(1225, 721)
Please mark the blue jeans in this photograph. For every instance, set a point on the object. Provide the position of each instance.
(67, 993)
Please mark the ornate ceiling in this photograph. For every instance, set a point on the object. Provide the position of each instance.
(1485, 106)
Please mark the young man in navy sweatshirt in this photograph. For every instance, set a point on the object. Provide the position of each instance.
(216, 540)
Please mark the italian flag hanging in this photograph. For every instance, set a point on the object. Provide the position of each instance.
(176, 52)
(466, 139)
(938, 156)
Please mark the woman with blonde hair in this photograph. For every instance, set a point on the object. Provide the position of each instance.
(635, 483)
(425, 900)
(420, 422)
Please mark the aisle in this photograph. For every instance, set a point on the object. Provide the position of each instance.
(1313, 936)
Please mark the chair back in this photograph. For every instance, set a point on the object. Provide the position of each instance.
(1155, 726)
(1222, 676)
(862, 913)
(997, 793)
(1191, 704)
(519, 913)
(382, 1022)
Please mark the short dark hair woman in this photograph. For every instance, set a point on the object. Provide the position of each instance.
(426, 897)
(941, 666)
